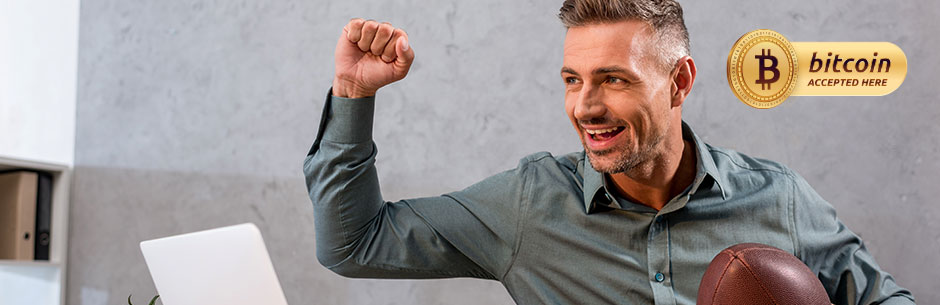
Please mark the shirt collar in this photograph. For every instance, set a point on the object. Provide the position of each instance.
(596, 193)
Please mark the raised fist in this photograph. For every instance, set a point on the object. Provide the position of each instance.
(370, 55)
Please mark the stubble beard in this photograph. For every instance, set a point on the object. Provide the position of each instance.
(625, 159)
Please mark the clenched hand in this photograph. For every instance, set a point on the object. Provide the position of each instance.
(370, 55)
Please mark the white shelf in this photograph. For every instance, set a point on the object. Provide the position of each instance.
(15, 263)
(40, 282)
(31, 284)
(8, 163)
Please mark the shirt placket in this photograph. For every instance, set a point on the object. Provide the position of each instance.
(658, 258)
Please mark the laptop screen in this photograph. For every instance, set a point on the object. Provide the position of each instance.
(228, 265)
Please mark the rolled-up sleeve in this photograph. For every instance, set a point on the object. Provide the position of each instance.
(470, 233)
(837, 255)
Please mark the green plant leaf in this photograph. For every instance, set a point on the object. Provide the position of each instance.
(152, 301)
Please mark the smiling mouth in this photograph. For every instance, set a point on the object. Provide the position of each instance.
(604, 134)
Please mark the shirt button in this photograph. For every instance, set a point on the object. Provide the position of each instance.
(660, 277)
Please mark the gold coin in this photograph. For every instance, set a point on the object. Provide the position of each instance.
(762, 68)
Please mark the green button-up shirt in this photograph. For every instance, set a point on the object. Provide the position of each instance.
(552, 230)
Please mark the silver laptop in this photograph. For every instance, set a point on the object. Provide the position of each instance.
(228, 265)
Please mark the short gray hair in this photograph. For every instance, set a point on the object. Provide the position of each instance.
(663, 16)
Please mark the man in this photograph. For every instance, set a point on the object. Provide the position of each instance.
(633, 219)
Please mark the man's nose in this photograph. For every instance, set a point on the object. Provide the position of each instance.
(589, 104)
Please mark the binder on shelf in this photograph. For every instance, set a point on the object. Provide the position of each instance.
(43, 216)
(18, 192)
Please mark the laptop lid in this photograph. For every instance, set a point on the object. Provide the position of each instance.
(228, 265)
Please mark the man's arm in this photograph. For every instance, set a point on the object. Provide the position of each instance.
(847, 270)
(471, 233)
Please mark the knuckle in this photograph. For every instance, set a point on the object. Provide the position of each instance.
(386, 31)
(356, 23)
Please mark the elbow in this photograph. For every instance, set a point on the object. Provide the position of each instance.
(901, 298)
(330, 258)
(346, 267)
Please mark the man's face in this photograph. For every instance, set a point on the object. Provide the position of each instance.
(617, 93)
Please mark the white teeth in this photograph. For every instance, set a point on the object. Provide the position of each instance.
(597, 131)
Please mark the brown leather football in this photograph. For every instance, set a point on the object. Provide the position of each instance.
(753, 273)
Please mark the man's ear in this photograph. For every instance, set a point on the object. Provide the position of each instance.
(683, 77)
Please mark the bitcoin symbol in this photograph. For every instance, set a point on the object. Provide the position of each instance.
(765, 83)
(749, 78)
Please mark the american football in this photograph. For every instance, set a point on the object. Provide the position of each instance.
(752, 273)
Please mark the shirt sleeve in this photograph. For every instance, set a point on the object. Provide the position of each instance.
(469, 233)
(837, 255)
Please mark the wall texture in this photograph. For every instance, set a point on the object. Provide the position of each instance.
(197, 114)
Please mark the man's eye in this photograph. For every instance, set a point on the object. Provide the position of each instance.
(614, 80)
(571, 80)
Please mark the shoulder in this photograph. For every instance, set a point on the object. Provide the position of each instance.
(547, 169)
(545, 160)
(743, 171)
(731, 160)
(746, 172)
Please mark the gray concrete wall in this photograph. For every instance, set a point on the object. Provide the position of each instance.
(197, 114)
